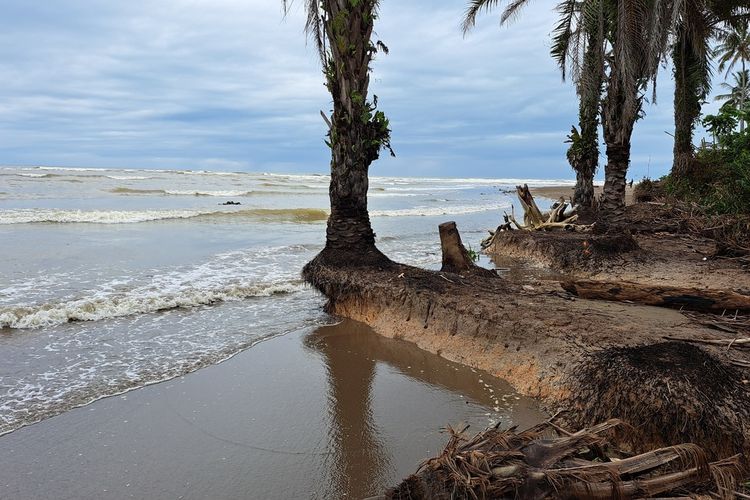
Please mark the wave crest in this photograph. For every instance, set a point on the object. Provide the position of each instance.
(39, 216)
(136, 301)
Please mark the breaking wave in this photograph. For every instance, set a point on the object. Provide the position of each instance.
(432, 211)
(128, 177)
(147, 299)
(38, 216)
(178, 192)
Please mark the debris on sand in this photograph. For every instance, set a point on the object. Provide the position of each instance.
(547, 462)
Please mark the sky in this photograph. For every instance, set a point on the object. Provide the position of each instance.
(234, 85)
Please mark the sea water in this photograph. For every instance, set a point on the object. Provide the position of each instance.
(111, 280)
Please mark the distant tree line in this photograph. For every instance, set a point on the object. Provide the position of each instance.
(613, 50)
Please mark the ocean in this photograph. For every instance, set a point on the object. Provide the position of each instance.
(114, 279)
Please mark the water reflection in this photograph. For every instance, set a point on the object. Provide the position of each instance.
(368, 449)
(358, 459)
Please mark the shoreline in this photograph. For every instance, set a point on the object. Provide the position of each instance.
(300, 404)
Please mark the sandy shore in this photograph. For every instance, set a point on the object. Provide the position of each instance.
(336, 413)
(555, 192)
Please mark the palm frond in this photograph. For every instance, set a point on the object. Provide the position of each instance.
(473, 10)
(512, 11)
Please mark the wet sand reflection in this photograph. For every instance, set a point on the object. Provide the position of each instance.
(360, 462)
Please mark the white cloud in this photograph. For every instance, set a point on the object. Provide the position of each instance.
(233, 84)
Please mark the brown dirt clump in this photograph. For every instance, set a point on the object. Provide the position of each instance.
(648, 190)
(564, 249)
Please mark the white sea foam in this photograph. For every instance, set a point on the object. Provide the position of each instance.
(443, 210)
(231, 276)
(223, 194)
(27, 216)
(128, 177)
(137, 301)
(38, 216)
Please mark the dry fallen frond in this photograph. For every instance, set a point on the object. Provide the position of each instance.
(547, 462)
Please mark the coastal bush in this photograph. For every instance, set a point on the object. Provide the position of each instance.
(719, 178)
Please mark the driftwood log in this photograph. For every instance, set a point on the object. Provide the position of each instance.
(697, 299)
(547, 462)
(535, 220)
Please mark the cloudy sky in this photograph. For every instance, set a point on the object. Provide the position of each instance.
(233, 85)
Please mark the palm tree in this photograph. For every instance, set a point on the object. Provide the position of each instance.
(578, 42)
(739, 94)
(701, 22)
(637, 33)
(734, 48)
(691, 56)
(342, 32)
(639, 40)
(577, 47)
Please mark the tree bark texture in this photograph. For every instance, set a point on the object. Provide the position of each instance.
(456, 258)
(696, 299)
(586, 157)
(620, 112)
(687, 104)
(349, 26)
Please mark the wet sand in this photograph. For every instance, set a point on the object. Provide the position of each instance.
(555, 192)
(337, 413)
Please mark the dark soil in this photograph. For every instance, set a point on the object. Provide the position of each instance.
(564, 249)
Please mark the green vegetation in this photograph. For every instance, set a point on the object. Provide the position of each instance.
(720, 176)
(613, 50)
(473, 254)
(717, 176)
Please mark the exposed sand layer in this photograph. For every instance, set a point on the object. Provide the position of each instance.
(552, 346)
(336, 413)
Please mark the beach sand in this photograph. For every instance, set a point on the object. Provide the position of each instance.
(339, 412)
(555, 192)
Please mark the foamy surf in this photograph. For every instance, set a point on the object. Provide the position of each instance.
(137, 301)
(40, 216)
(180, 192)
(128, 177)
(434, 211)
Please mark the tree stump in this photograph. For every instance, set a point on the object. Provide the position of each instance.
(456, 258)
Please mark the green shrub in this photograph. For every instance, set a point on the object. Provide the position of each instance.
(720, 178)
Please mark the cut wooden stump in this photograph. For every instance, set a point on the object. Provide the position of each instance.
(697, 299)
(456, 258)
(547, 462)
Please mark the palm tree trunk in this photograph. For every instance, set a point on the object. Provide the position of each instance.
(589, 90)
(742, 99)
(687, 105)
(620, 112)
(353, 138)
